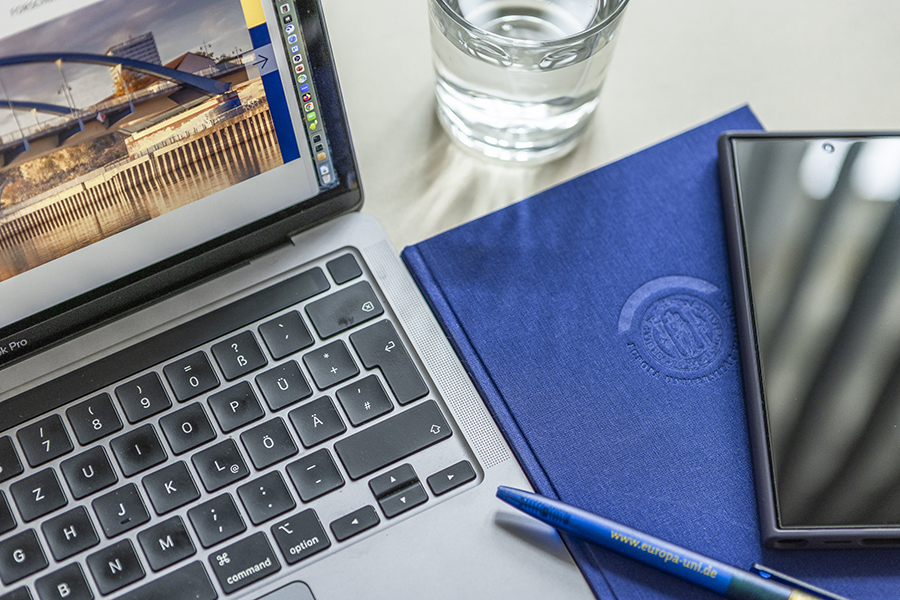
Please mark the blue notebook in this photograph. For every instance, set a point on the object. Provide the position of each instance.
(596, 320)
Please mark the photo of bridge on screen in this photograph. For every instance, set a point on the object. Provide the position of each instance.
(104, 128)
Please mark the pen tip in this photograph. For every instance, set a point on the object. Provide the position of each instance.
(506, 493)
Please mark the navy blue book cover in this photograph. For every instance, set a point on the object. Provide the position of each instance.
(596, 320)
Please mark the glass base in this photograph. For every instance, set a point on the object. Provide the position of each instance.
(500, 151)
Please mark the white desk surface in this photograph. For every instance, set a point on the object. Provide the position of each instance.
(799, 64)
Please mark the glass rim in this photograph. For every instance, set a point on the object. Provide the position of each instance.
(531, 44)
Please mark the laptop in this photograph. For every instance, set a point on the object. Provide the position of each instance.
(217, 380)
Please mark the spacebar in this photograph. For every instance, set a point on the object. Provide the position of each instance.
(190, 581)
(378, 446)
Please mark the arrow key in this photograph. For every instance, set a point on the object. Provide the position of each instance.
(354, 523)
(393, 480)
(403, 500)
(451, 478)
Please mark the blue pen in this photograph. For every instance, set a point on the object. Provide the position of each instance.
(706, 572)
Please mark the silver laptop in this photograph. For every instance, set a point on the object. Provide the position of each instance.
(216, 378)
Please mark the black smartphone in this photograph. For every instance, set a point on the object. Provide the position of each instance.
(814, 240)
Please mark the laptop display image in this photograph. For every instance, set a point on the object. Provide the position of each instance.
(217, 380)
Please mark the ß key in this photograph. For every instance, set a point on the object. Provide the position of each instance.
(238, 355)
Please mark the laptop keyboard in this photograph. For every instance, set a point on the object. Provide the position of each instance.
(277, 441)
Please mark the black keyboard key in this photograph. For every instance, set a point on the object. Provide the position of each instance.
(187, 428)
(403, 500)
(315, 475)
(115, 567)
(143, 397)
(451, 478)
(300, 536)
(191, 376)
(120, 510)
(166, 543)
(266, 497)
(190, 581)
(20, 556)
(344, 309)
(10, 465)
(386, 442)
(343, 268)
(88, 472)
(94, 419)
(138, 450)
(21, 593)
(379, 346)
(45, 440)
(244, 562)
(235, 407)
(268, 443)
(398, 490)
(284, 385)
(7, 520)
(38, 494)
(220, 465)
(395, 479)
(171, 487)
(354, 523)
(317, 421)
(67, 583)
(216, 520)
(330, 364)
(364, 400)
(238, 355)
(70, 533)
(285, 335)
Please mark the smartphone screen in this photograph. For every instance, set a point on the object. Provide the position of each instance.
(821, 234)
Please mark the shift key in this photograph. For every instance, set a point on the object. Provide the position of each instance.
(244, 562)
(390, 440)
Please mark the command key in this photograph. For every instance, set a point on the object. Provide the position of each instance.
(244, 562)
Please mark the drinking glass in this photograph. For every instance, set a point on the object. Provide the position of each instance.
(519, 80)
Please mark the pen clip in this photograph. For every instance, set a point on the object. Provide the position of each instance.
(773, 575)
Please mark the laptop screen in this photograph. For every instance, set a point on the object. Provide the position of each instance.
(136, 138)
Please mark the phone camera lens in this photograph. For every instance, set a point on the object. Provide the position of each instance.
(827, 147)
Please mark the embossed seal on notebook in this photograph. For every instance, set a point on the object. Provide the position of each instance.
(680, 329)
